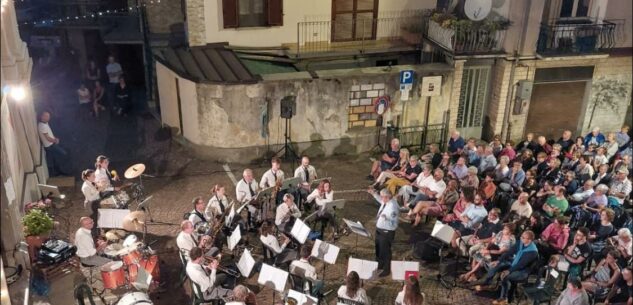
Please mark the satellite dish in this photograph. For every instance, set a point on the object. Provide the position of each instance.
(477, 10)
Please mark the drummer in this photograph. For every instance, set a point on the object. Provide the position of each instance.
(86, 250)
(103, 176)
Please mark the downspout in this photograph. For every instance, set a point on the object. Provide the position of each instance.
(505, 129)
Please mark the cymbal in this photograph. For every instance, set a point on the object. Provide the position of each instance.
(135, 221)
(134, 171)
(112, 235)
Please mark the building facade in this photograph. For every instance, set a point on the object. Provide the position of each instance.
(23, 160)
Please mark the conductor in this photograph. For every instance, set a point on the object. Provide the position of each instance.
(386, 225)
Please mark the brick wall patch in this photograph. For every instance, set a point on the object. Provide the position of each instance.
(361, 109)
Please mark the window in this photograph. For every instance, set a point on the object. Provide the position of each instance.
(252, 13)
(574, 8)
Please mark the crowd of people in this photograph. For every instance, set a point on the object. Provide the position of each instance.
(93, 96)
(521, 209)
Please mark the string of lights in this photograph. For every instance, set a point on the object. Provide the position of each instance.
(91, 15)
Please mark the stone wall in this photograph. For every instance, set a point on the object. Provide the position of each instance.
(196, 32)
(162, 16)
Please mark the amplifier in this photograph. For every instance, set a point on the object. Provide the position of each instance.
(55, 251)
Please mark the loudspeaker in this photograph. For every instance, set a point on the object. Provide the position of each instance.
(288, 106)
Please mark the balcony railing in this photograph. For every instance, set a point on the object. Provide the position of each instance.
(569, 37)
(360, 35)
(476, 40)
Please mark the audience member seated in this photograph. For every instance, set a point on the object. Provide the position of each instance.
(554, 237)
(488, 161)
(437, 208)
(623, 242)
(388, 160)
(433, 157)
(584, 170)
(537, 223)
(620, 187)
(508, 151)
(487, 188)
(520, 208)
(471, 244)
(431, 191)
(411, 171)
(410, 293)
(527, 160)
(603, 275)
(574, 294)
(459, 170)
(622, 292)
(582, 193)
(352, 290)
(502, 171)
(491, 251)
(424, 179)
(471, 180)
(556, 204)
(570, 183)
(396, 171)
(527, 143)
(602, 176)
(578, 252)
(601, 232)
(469, 220)
(466, 196)
(586, 213)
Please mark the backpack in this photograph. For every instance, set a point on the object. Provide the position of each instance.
(621, 218)
(427, 250)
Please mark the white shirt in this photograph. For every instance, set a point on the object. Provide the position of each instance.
(582, 194)
(242, 193)
(268, 179)
(422, 180)
(194, 218)
(523, 210)
(302, 268)
(300, 172)
(390, 211)
(85, 244)
(213, 207)
(320, 201)
(436, 186)
(271, 242)
(361, 295)
(185, 243)
(45, 129)
(199, 276)
(90, 191)
(114, 71)
(102, 177)
(283, 210)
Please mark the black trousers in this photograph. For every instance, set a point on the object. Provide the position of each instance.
(384, 240)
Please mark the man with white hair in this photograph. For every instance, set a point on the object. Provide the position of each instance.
(583, 192)
(455, 145)
(285, 213)
(386, 226)
(594, 137)
(245, 191)
(620, 186)
(86, 250)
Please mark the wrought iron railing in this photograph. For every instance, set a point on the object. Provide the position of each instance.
(576, 36)
(418, 137)
(475, 40)
(359, 34)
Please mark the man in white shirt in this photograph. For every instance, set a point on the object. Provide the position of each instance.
(386, 225)
(521, 206)
(86, 250)
(431, 190)
(206, 277)
(421, 181)
(245, 190)
(583, 193)
(56, 156)
(305, 270)
(271, 176)
(197, 214)
(285, 212)
(307, 173)
(187, 241)
(114, 71)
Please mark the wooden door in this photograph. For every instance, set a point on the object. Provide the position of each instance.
(354, 20)
(555, 107)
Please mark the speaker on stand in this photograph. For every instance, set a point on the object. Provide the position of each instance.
(288, 110)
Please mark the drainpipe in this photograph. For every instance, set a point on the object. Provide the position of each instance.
(505, 129)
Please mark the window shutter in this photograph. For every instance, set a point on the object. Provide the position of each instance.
(229, 13)
(275, 12)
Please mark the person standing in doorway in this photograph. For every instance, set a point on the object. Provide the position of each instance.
(56, 156)
(114, 71)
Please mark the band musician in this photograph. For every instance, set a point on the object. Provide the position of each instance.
(287, 213)
(86, 250)
(187, 241)
(307, 173)
(245, 191)
(274, 177)
(207, 276)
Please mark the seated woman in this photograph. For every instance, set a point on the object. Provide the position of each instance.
(623, 242)
(321, 196)
(501, 243)
(396, 171)
(282, 253)
(485, 233)
(587, 213)
(554, 237)
(536, 223)
(410, 293)
(604, 275)
(388, 160)
(518, 261)
(437, 208)
(570, 183)
(471, 179)
(466, 196)
(470, 220)
(487, 188)
(352, 290)
(622, 292)
(601, 232)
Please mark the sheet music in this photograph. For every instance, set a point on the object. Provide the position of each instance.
(246, 263)
(229, 218)
(234, 238)
(300, 231)
(398, 269)
(443, 232)
(111, 218)
(272, 277)
(325, 252)
(302, 299)
(366, 269)
(290, 182)
(357, 227)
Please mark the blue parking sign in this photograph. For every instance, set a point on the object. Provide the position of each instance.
(406, 77)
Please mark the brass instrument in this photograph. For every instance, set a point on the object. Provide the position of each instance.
(210, 259)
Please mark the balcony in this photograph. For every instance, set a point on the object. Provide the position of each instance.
(562, 37)
(359, 36)
(464, 37)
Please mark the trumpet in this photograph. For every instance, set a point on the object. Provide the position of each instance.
(210, 259)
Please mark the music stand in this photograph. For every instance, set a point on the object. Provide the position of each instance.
(49, 191)
(325, 252)
(290, 183)
(357, 227)
(274, 278)
(263, 197)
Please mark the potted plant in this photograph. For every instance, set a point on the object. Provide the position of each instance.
(412, 33)
(37, 227)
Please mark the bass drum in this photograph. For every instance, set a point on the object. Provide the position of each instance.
(133, 298)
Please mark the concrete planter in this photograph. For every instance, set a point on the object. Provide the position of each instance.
(440, 35)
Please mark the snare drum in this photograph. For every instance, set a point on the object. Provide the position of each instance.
(121, 199)
(134, 298)
(132, 257)
(112, 251)
(150, 265)
(113, 275)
